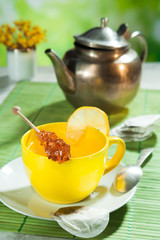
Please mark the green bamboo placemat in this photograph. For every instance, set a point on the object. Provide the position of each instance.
(44, 103)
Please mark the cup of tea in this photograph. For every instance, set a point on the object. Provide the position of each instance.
(72, 180)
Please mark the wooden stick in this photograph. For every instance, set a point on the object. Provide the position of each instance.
(17, 111)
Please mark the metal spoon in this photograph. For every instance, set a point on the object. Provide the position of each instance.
(129, 176)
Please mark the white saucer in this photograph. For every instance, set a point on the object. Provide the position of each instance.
(17, 193)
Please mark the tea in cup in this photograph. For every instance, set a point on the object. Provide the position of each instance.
(75, 179)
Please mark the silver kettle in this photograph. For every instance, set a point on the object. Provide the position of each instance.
(101, 70)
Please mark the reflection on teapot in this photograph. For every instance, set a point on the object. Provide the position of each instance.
(102, 70)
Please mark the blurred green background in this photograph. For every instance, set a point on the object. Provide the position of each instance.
(65, 18)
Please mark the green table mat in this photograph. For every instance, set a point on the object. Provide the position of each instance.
(44, 103)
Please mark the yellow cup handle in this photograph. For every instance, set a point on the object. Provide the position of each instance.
(115, 160)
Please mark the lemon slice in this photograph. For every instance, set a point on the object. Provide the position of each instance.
(85, 117)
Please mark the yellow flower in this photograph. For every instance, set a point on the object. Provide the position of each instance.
(9, 43)
(9, 36)
(30, 43)
(22, 35)
(13, 30)
(24, 28)
(2, 38)
(19, 35)
(28, 33)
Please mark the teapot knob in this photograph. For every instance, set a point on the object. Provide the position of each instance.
(123, 31)
(104, 22)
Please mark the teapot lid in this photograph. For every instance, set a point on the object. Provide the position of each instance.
(101, 37)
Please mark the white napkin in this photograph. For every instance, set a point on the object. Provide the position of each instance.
(137, 129)
(81, 221)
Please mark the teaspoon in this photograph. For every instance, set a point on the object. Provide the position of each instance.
(129, 176)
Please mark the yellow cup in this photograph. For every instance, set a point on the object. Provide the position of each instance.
(76, 178)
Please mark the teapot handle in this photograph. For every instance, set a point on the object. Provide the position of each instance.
(143, 43)
(124, 32)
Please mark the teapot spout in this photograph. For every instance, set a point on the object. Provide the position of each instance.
(64, 76)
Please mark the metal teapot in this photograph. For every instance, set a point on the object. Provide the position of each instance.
(102, 70)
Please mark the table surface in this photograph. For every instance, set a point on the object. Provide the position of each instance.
(150, 80)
